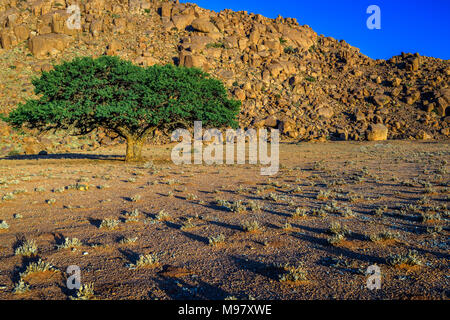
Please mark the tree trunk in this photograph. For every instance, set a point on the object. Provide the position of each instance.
(134, 149)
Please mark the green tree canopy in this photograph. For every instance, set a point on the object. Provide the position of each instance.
(132, 101)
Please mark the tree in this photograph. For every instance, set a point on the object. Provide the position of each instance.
(86, 94)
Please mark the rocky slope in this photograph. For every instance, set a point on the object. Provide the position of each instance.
(310, 86)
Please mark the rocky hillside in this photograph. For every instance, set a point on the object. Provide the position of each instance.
(310, 86)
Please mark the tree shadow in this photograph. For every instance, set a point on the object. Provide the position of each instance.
(66, 156)
(195, 237)
(179, 289)
(268, 271)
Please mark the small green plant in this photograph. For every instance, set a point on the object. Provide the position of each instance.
(289, 50)
(218, 45)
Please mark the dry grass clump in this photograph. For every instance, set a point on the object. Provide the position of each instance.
(27, 248)
(132, 216)
(4, 225)
(411, 258)
(69, 244)
(148, 260)
(216, 240)
(251, 226)
(292, 274)
(21, 287)
(85, 292)
(36, 267)
(338, 233)
(163, 216)
(109, 223)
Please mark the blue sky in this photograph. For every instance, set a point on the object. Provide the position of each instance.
(408, 26)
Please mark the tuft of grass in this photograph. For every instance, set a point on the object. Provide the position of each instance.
(4, 225)
(21, 287)
(8, 196)
(411, 259)
(148, 260)
(69, 244)
(163, 216)
(128, 240)
(338, 233)
(188, 224)
(251, 226)
(299, 213)
(132, 216)
(136, 198)
(85, 292)
(36, 267)
(28, 248)
(383, 236)
(292, 274)
(109, 224)
(214, 241)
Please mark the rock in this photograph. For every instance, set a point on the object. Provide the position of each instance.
(192, 60)
(377, 132)
(96, 27)
(325, 112)
(288, 127)
(114, 47)
(21, 32)
(381, 100)
(48, 44)
(423, 135)
(204, 25)
(271, 122)
(165, 10)
(182, 21)
(240, 94)
(46, 67)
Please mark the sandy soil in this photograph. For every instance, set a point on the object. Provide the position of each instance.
(389, 186)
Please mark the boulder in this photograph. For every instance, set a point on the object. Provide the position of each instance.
(204, 25)
(48, 44)
(181, 21)
(377, 132)
(325, 112)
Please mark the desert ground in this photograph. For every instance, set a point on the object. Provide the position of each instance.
(154, 230)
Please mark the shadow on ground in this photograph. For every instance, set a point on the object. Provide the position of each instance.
(65, 156)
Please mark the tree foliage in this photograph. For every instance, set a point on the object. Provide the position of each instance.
(87, 93)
